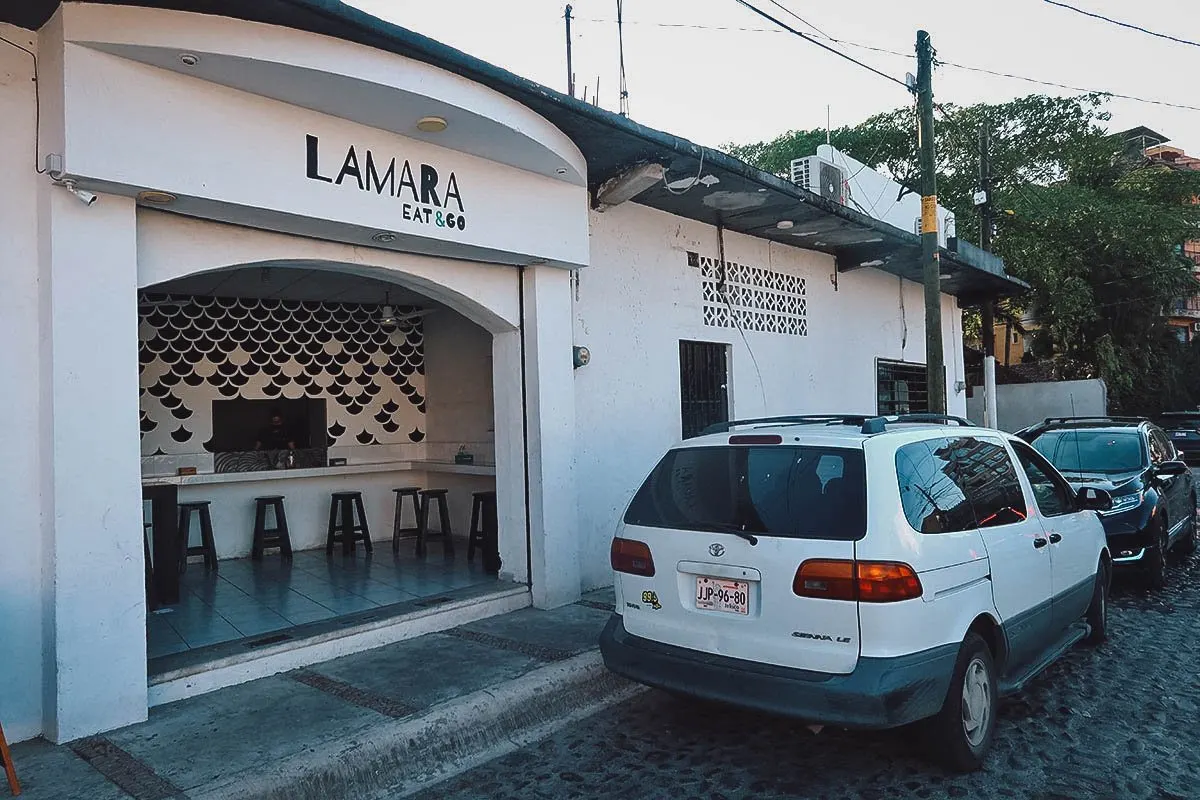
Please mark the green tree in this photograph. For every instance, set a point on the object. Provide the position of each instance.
(1094, 231)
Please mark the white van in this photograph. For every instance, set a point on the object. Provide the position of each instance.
(863, 572)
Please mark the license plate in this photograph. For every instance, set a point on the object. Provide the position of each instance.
(1180, 434)
(714, 594)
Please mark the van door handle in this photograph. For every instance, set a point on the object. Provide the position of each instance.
(1055, 538)
(1039, 542)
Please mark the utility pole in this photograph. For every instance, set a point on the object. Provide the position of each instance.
(570, 68)
(930, 259)
(983, 199)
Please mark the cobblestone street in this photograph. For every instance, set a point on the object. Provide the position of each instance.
(1122, 721)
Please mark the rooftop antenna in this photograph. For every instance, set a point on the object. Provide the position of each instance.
(624, 90)
(570, 69)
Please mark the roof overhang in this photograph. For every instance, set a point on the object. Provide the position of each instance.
(743, 198)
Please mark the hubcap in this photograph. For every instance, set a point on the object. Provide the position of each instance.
(976, 702)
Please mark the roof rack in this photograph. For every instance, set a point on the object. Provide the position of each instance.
(944, 419)
(1053, 420)
(868, 424)
(794, 419)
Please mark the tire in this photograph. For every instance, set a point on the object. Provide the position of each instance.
(961, 734)
(1097, 613)
(1156, 568)
(1187, 543)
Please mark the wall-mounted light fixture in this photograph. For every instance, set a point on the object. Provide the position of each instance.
(581, 356)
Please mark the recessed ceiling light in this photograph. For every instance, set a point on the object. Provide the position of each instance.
(384, 237)
(189, 59)
(945, 276)
(431, 124)
(156, 197)
(761, 190)
(784, 224)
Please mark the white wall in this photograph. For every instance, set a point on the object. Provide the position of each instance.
(460, 411)
(639, 297)
(21, 580)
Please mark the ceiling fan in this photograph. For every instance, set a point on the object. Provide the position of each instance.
(388, 318)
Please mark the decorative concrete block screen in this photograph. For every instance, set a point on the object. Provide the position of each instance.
(754, 298)
(193, 350)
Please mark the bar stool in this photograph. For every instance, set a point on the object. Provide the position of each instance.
(207, 546)
(423, 533)
(399, 531)
(480, 503)
(343, 507)
(276, 536)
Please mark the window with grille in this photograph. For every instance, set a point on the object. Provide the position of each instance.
(903, 387)
(704, 385)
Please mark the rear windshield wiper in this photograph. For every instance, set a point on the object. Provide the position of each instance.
(736, 531)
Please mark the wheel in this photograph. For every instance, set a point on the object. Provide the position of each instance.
(961, 734)
(1187, 543)
(1097, 613)
(1156, 567)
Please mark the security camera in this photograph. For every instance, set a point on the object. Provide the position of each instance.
(85, 197)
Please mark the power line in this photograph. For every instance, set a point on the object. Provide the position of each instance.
(822, 45)
(952, 64)
(1129, 25)
(788, 11)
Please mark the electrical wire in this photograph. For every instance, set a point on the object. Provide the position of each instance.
(823, 46)
(1118, 22)
(37, 106)
(943, 63)
(793, 14)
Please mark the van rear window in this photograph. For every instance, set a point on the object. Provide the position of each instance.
(791, 492)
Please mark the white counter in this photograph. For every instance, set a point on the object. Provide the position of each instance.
(307, 498)
(445, 467)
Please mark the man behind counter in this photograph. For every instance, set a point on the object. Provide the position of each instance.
(275, 436)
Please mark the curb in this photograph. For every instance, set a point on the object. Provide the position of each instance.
(403, 757)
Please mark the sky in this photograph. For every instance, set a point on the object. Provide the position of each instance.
(691, 72)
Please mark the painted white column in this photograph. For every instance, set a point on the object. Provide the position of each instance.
(95, 649)
(550, 406)
(510, 454)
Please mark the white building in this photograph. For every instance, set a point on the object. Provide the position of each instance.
(266, 181)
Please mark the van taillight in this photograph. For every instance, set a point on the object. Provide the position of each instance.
(632, 557)
(864, 581)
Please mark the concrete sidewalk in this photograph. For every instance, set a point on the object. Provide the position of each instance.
(377, 724)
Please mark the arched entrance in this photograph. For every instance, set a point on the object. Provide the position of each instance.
(388, 370)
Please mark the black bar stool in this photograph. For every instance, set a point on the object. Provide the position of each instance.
(343, 508)
(480, 502)
(276, 536)
(399, 530)
(207, 546)
(423, 533)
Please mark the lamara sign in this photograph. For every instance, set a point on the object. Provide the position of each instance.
(427, 200)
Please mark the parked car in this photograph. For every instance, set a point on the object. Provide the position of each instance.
(857, 572)
(1153, 493)
(1184, 429)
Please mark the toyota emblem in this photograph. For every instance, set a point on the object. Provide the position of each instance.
(716, 550)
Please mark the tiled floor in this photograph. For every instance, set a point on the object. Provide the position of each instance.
(244, 598)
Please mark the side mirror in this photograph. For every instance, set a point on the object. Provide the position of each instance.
(1090, 498)
(1170, 469)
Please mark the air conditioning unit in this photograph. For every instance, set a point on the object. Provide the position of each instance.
(820, 177)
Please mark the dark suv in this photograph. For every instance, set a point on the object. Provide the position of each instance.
(1153, 494)
(1184, 429)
